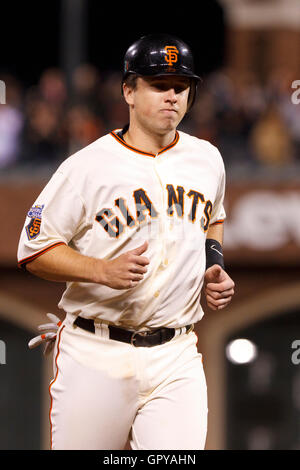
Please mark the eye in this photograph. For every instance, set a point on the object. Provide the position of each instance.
(180, 88)
(165, 86)
(161, 86)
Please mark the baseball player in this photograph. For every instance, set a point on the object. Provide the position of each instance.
(133, 223)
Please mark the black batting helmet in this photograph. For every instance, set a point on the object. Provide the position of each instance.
(161, 54)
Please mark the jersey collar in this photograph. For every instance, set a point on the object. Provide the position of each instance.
(118, 135)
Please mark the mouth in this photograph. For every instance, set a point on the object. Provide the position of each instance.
(169, 110)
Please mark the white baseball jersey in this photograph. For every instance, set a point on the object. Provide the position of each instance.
(109, 198)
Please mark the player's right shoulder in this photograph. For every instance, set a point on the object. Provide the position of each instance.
(82, 159)
(80, 168)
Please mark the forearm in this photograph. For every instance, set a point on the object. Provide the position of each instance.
(213, 246)
(63, 264)
(218, 286)
(216, 232)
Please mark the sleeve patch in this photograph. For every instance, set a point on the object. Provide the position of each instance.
(36, 212)
(34, 226)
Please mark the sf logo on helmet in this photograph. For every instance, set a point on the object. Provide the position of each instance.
(172, 55)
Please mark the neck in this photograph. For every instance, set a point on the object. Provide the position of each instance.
(147, 141)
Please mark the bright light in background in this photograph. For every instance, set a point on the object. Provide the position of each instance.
(241, 351)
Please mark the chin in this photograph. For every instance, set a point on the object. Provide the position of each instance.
(163, 130)
(169, 124)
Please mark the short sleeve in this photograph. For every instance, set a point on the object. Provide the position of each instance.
(56, 216)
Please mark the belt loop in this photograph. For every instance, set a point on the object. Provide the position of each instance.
(132, 338)
(101, 329)
(178, 331)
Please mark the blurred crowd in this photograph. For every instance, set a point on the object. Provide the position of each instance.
(253, 124)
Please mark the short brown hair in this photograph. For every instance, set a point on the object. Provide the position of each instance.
(131, 80)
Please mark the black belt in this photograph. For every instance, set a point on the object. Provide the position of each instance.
(138, 339)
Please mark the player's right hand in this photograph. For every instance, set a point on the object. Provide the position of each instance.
(127, 270)
(49, 335)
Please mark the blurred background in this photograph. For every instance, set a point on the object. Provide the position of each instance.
(60, 62)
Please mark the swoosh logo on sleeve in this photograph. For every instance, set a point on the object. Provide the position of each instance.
(213, 248)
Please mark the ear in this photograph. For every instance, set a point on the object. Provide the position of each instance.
(128, 93)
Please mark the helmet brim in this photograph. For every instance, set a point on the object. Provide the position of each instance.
(162, 71)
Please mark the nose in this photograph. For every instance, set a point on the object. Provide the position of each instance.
(171, 95)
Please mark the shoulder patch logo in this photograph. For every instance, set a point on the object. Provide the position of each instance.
(34, 226)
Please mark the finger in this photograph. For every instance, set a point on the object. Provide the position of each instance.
(54, 318)
(132, 284)
(37, 340)
(138, 269)
(49, 347)
(141, 260)
(216, 270)
(222, 306)
(136, 277)
(140, 249)
(216, 307)
(219, 302)
(211, 306)
(34, 342)
(48, 327)
(214, 273)
(220, 286)
(220, 295)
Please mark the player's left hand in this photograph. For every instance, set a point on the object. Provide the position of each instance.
(218, 287)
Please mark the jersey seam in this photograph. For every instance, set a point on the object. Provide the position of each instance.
(51, 384)
(77, 194)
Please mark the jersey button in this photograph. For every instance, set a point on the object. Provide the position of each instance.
(156, 293)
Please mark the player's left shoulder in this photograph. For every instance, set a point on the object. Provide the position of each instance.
(203, 148)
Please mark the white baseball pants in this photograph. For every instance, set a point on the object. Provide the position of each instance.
(106, 391)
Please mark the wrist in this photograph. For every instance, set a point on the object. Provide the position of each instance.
(98, 271)
(214, 253)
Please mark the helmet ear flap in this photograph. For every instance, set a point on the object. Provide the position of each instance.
(192, 94)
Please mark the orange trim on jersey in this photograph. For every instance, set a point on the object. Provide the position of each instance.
(164, 149)
(218, 222)
(23, 262)
(172, 144)
(51, 399)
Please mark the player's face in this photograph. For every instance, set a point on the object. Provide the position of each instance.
(160, 103)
